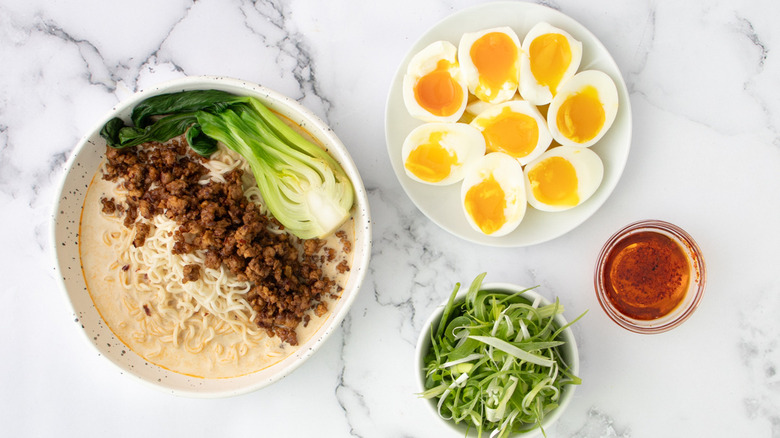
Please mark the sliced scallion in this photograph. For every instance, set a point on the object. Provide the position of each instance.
(496, 361)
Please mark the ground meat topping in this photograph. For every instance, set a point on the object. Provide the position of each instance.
(142, 231)
(109, 207)
(191, 273)
(218, 222)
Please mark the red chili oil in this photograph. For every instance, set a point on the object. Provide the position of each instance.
(646, 275)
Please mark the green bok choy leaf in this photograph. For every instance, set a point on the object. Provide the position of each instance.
(304, 188)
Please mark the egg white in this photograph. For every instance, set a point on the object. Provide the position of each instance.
(508, 173)
(587, 166)
(608, 97)
(531, 88)
(424, 62)
(476, 107)
(472, 75)
(463, 140)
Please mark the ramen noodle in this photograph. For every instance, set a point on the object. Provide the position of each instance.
(180, 311)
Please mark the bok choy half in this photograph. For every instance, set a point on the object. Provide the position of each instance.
(304, 188)
(496, 361)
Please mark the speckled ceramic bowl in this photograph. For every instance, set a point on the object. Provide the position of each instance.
(569, 353)
(83, 164)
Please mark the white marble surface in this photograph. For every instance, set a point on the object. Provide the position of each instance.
(704, 80)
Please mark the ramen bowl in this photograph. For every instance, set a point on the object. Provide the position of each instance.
(79, 171)
(569, 358)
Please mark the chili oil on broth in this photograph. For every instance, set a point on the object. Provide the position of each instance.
(200, 345)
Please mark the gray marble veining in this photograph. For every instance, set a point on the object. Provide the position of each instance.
(703, 81)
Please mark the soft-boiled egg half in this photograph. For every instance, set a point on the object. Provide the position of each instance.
(516, 128)
(584, 109)
(562, 178)
(493, 194)
(550, 57)
(490, 60)
(434, 89)
(440, 153)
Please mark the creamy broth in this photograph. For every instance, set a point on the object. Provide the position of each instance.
(228, 353)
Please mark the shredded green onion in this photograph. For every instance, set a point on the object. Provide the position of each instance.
(495, 361)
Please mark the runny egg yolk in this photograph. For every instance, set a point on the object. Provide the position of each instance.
(510, 132)
(550, 56)
(438, 92)
(581, 116)
(554, 182)
(431, 161)
(495, 56)
(485, 203)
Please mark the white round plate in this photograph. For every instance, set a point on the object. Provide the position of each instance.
(80, 169)
(442, 204)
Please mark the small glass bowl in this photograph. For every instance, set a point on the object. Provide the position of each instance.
(695, 288)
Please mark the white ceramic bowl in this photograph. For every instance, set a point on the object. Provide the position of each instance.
(83, 164)
(569, 352)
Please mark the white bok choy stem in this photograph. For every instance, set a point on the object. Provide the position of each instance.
(304, 188)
